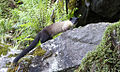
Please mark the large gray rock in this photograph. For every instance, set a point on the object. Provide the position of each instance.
(69, 48)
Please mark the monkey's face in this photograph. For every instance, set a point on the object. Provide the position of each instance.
(74, 20)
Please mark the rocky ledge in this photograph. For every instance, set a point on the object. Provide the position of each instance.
(65, 52)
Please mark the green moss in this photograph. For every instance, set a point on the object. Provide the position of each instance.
(12, 55)
(39, 51)
(4, 49)
(106, 58)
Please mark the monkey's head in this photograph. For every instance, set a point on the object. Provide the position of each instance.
(69, 24)
(74, 20)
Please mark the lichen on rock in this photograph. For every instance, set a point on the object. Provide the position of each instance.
(107, 55)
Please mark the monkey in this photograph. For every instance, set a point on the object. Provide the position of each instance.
(47, 33)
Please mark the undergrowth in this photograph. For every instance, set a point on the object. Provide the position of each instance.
(26, 20)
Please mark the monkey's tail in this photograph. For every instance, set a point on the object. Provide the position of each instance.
(29, 48)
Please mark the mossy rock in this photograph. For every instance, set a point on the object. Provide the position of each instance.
(106, 58)
(21, 66)
(39, 51)
(4, 49)
(25, 62)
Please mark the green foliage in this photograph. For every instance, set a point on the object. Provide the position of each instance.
(5, 25)
(4, 9)
(29, 18)
(34, 15)
(106, 58)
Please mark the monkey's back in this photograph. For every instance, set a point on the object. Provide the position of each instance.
(58, 27)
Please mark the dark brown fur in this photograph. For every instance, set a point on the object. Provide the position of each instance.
(46, 34)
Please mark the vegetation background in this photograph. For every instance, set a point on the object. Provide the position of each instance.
(21, 20)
